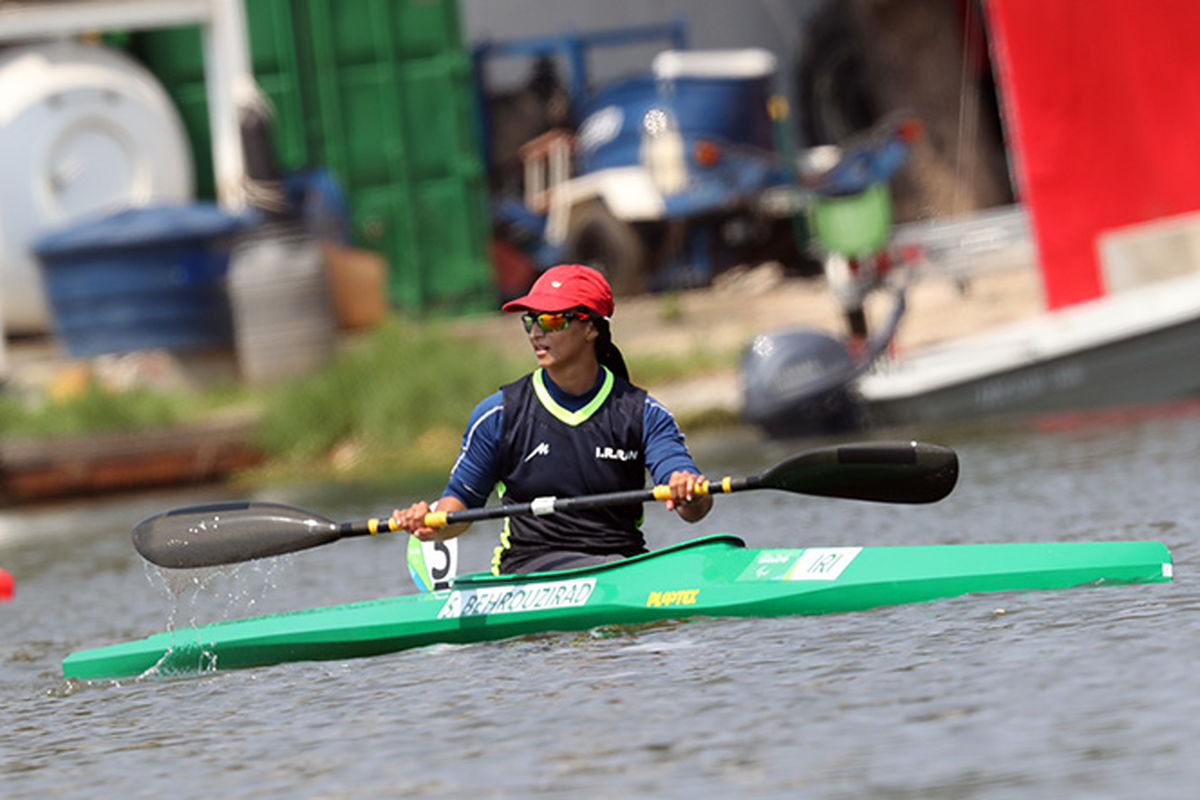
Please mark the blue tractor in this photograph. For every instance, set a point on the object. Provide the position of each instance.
(661, 179)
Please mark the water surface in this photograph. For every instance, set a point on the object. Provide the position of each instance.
(1088, 693)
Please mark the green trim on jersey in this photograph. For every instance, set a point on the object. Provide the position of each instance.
(571, 418)
(499, 550)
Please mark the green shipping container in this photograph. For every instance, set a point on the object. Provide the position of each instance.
(380, 93)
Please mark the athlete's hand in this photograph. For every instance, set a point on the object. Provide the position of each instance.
(412, 519)
(685, 498)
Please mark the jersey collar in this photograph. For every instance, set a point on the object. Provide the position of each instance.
(563, 414)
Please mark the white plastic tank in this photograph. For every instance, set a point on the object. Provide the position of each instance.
(84, 129)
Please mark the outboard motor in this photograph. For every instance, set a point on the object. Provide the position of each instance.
(801, 382)
(797, 383)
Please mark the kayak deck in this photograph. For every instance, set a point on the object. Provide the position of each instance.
(714, 576)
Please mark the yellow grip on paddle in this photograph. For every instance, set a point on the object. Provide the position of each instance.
(664, 492)
(434, 519)
(373, 525)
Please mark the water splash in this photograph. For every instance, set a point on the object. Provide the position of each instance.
(210, 594)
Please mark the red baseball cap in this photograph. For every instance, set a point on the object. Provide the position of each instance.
(564, 287)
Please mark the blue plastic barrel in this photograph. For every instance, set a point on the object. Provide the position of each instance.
(141, 278)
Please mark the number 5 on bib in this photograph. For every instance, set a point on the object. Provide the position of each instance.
(432, 565)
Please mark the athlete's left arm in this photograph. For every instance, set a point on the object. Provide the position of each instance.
(670, 463)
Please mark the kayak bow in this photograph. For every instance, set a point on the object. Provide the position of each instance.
(716, 576)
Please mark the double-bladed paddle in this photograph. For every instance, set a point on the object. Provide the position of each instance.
(227, 533)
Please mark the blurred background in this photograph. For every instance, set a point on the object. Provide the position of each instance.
(213, 207)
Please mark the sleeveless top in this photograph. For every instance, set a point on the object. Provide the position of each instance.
(547, 450)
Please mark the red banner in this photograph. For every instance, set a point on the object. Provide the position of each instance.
(1101, 99)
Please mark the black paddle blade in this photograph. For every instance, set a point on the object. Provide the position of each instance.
(227, 533)
(887, 472)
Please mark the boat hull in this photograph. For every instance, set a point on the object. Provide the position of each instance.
(716, 576)
(1140, 370)
(1129, 348)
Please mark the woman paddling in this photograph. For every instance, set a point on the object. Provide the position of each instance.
(574, 426)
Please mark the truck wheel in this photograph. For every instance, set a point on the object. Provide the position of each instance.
(598, 239)
(835, 83)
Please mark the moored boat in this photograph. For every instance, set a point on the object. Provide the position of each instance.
(716, 576)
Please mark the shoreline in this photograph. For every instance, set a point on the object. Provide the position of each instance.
(728, 316)
(711, 325)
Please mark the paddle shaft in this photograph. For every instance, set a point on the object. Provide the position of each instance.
(542, 506)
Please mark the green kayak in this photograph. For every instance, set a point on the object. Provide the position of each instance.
(716, 576)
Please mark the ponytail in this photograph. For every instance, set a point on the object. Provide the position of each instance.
(606, 352)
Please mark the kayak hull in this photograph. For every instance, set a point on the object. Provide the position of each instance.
(715, 576)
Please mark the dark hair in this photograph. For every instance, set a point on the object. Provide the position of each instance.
(606, 352)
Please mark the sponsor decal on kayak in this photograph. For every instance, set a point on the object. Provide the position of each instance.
(822, 563)
(683, 597)
(511, 599)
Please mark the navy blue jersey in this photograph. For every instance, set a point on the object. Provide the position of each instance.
(535, 440)
(548, 451)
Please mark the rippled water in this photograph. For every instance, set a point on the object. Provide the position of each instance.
(1089, 693)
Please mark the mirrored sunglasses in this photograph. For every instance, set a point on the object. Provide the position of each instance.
(550, 321)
